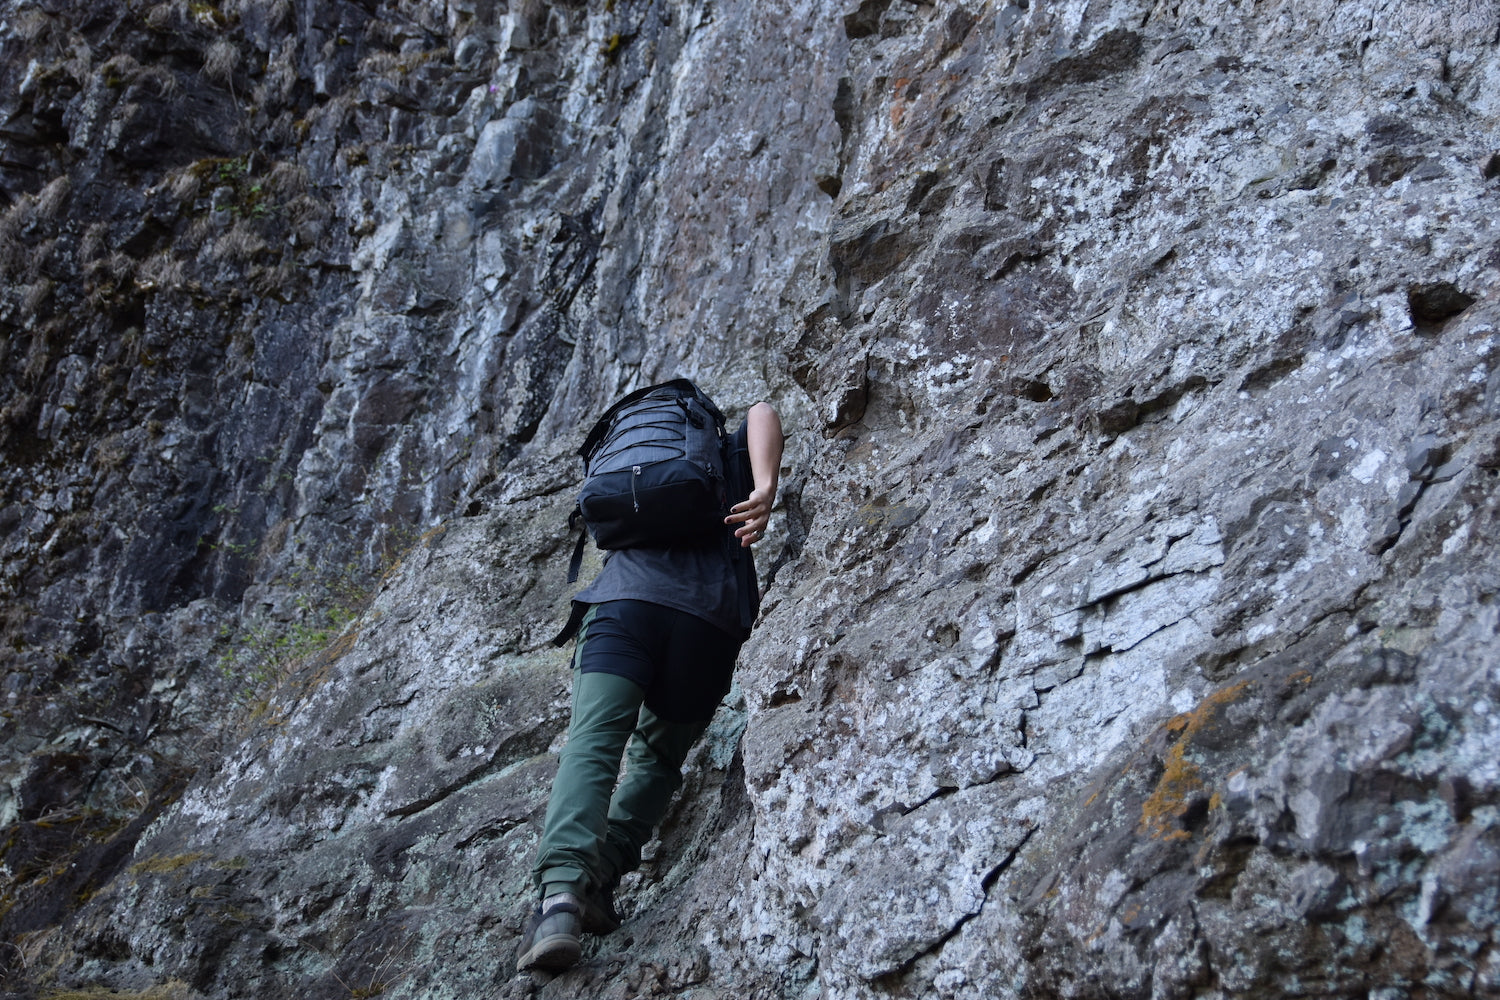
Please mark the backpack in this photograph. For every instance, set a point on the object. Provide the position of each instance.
(654, 472)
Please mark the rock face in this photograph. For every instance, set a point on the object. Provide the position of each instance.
(1131, 625)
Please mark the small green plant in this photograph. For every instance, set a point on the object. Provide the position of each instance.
(235, 548)
(263, 658)
(232, 169)
(250, 191)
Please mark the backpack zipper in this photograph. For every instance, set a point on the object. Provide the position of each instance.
(635, 473)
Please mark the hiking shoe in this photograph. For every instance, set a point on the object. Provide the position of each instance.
(551, 938)
(599, 915)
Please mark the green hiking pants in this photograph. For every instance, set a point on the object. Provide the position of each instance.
(594, 831)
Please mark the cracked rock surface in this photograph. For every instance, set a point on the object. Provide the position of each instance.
(1131, 623)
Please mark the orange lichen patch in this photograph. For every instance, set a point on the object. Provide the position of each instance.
(1181, 780)
(900, 98)
(1169, 802)
(341, 646)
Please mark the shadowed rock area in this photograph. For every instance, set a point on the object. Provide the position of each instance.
(1131, 623)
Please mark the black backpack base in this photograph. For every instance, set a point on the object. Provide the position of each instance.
(643, 505)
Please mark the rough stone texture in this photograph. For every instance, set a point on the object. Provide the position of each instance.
(1131, 627)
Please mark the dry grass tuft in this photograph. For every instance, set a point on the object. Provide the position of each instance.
(120, 70)
(222, 59)
(111, 453)
(275, 282)
(50, 200)
(161, 272)
(38, 259)
(281, 72)
(34, 296)
(13, 256)
(91, 247)
(38, 356)
(163, 15)
(184, 186)
(104, 275)
(199, 232)
(119, 265)
(238, 245)
(287, 180)
(382, 64)
(308, 217)
(30, 24)
(162, 81)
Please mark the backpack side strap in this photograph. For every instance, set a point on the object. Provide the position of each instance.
(575, 521)
(575, 622)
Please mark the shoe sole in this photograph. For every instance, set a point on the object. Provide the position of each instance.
(554, 954)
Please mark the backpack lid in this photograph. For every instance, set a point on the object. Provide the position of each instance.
(681, 386)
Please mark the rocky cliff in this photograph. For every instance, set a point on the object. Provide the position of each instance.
(1130, 626)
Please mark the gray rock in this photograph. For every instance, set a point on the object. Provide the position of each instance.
(1129, 625)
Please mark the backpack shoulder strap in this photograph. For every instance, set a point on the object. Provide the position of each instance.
(705, 402)
(601, 426)
(681, 386)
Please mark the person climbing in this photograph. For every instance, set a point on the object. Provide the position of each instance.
(656, 635)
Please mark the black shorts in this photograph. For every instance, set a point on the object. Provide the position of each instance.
(683, 663)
